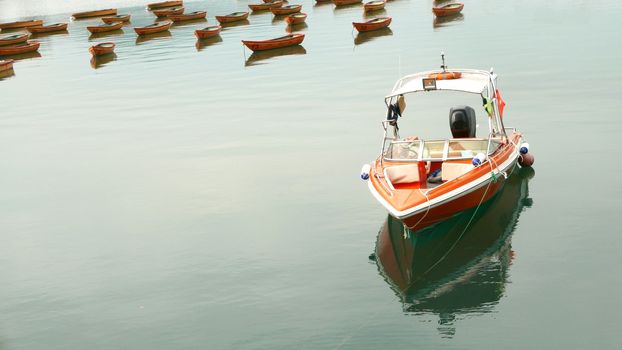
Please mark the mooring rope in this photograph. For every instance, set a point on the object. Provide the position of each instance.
(461, 234)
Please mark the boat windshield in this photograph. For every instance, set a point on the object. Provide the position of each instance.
(438, 150)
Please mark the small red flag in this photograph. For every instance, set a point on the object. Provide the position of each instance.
(500, 102)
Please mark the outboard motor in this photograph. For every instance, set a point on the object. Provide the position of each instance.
(462, 122)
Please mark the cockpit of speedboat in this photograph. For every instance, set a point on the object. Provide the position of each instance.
(443, 159)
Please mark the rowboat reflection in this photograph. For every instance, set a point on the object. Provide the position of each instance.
(449, 270)
(95, 36)
(278, 19)
(235, 24)
(102, 60)
(347, 7)
(203, 43)
(46, 34)
(319, 3)
(300, 27)
(258, 56)
(160, 35)
(374, 13)
(24, 56)
(188, 22)
(364, 37)
(6, 73)
(447, 20)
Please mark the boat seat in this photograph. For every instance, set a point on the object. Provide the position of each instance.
(400, 174)
(450, 171)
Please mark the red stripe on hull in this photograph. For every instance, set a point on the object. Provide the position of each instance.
(454, 206)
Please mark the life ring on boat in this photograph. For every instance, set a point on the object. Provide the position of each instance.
(445, 75)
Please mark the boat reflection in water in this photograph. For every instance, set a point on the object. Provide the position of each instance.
(102, 60)
(155, 36)
(23, 56)
(454, 269)
(96, 36)
(373, 14)
(188, 22)
(203, 43)
(258, 56)
(244, 22)
(447, 21)
(6, 74)
(319, 3)
(46, 34)
(300, 27)
(364, 37)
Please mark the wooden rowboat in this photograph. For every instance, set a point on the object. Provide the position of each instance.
(154, 28)
(159, 5)
(167, 12)
(372, 24)
(102, 49)
(287, 40)
(374, 5)
(207, 32)
(6, 65)
(276, 3)
(187, 16)
(232, 17)
(259, 7)
(448, 10)
(28, 46)
(286, 10)
(96, 13)
(50, 28)
(105, 27)
(14, 39)
(115, 19)
(21, 24)
(296, 18)
(346, 2)
(265, 6)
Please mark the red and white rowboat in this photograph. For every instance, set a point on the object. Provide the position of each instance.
(168, 11)
(286, 10)
(159, 5)
(296, 18)
(14, 39)
(448, 10)
(102, 49)
(287, 40)
(372, 24)
(154, 28)
(6, 65)
(117, 18)
(232, 17)
(187, 16)
(207, 32)
(374, 5)
(346, 2)
(26, 47)
(56, 27)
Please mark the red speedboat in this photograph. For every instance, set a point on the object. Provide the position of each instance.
(424, 181)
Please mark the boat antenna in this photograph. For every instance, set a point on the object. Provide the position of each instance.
(444, 66)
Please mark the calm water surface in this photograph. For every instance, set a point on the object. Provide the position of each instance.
(183, 197)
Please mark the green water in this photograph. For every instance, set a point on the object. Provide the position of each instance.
(181, 198)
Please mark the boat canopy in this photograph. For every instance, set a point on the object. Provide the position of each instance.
(471, 81)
